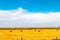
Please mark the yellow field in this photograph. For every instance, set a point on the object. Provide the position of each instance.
(30, 34)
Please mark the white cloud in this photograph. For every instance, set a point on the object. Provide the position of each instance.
(23, 18)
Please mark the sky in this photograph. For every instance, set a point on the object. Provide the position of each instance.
(31, 5)
(29, 13)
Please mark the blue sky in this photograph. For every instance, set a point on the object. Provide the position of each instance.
(31, 5)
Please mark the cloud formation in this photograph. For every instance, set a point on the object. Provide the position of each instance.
(23, 18)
